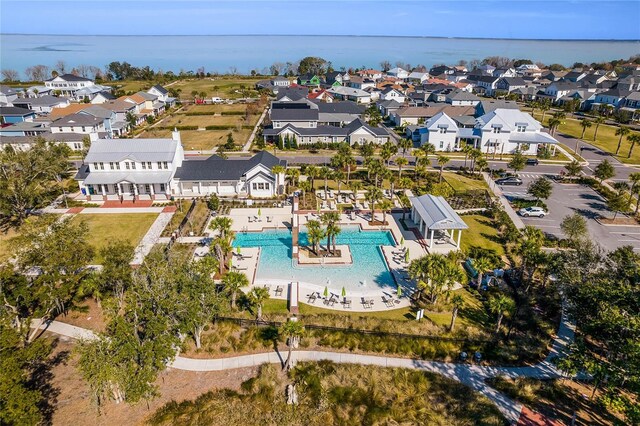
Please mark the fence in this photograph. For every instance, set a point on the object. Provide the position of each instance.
(178, 232)
(262, 323)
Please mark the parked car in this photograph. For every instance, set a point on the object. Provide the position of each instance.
(216, 100)
(511, 180)
(532, 211)
(532, 161)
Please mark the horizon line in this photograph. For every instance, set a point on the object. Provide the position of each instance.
(327, 35)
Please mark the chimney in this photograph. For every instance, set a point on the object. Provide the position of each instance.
(175, 135)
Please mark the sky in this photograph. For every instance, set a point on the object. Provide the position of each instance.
(549, 19)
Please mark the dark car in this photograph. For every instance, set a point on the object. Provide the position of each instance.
(512, 180)
(532, 161)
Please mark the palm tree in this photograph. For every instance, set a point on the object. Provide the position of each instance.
(278, 170)
(355, 186)
(330, 220)
(405, 144)
(553, 124)
(442, 160)
(373, 195)
(435, 273)
(233, 282)
(338, 175)
(482, 164)
(428, 148)
(315, 234)
(221, 224)
(312, 172)
(366, 150)
(500, 305)
(385, 205)
(544, 107)
(292, 177)
(389, 149)
(475, 154)
(401, 161)
(292, 331)
(257, 296)
(457, 302)
(585, 123)
(467, 150)
(481, 264)
(634, 178)
(634, 138)
(222, 247)
(597, 121)
(326, 173)
(621, 131)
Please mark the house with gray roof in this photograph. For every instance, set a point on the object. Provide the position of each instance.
(461, 98)
(509, 84)
(230, 177)
(130, 168)
(78, 123)
(356, 132)
(437, 222)
(486, 106)
(7, 95)
(11, 115)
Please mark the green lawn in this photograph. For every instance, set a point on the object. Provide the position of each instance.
(607, 139)
(196, 140)
(106, 228)
(481, 233)
(463, 183)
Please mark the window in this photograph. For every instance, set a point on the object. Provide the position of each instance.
(133, 165)
(162, 187)
(111, 166)
(132, 188)
(266, 185)
(117, 166)
(84, 129)
(255, 186)
(441, 144)
(160, 165)
(166, 165)
(147, 189)
(72, 128)
(521, 128)
(496, 129)
(149, 165)
(126, 165)
(77, 145)
(442, 129)
(95, 166)
(144, 165)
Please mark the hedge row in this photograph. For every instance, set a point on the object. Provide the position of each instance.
(232, 113)
(176, 127)
(190, 114)
(220, 127)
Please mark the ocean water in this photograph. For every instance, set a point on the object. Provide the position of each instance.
(368, 272)
(220, 53)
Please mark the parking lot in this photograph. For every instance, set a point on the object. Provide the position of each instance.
(567, 199)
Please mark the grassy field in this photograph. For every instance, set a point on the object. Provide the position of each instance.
(223, 87)
(463, 183)
(106, 228)
(333, 394)
(607, 139)
(481, 233)
(214, 109)
(196, 140)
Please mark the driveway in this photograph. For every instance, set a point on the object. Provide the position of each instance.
(567, 199)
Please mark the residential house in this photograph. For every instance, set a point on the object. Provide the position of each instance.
(390, 94)
(350, 94)
(508, 130)
(130, 168)
(274, 84)
(457, 76)
(42, 105)
(298, 117)
(362, 83)
(309, 80)
(242, 177)
(558, 89)
(68, 84)
(441, 131)
(25, 138)
(321, 95)
(7, 96)
(292, 94)
(388, 108)
(163, 94)
(509, 84)
(24, 128)
(461, 98)
(574, 76)
(102, 97)
(356, 132)
(504, 72)
(399, 73)
(78, 123)
(486, 84)
(418, 77)
(417, 115)
(338, 113)
(370, 74)
(337, 78)
(612, 97)
(487, 106)
(11, 115)
(486, 69)
(529, 70)
(441, 70)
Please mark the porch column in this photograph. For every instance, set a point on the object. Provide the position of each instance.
(152, 191)
(118, 190)
(459, 235)
(104, 192)
(135, 189)
(431, 239)
(199, 187)
(554, 149)
(218, 187)
(181, 189)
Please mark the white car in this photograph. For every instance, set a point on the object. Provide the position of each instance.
(532, 211)
(216, 100)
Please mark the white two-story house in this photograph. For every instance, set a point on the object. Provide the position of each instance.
(68, 84)
(128, 169)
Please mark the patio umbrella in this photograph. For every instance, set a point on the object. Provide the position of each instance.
(399, 292)
(344, 292)
(326, 291)
(406, 256)
(402, 241)
(238, 250)
(259, 212)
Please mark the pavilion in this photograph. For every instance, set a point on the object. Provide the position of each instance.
(435, 217)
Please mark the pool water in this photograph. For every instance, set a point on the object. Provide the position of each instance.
(368, 272)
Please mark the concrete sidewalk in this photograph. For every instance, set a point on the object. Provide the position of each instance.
(503, 200)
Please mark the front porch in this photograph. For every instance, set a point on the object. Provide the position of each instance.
(126, 191)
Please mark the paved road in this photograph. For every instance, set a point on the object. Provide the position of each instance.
(469, 374)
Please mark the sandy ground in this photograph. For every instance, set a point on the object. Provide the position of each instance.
(73, 403)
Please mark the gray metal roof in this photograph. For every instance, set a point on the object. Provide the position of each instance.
(77, 119)
(216, 168)
(107, 150)
(15, 111)
(437, 213)
(297, 114)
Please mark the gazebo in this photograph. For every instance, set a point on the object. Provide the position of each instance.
(435, 217)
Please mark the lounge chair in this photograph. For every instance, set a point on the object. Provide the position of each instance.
(388, 302)
(250, 219)
(269, 219)
(279, 290)
(365, 303)
(346, 303)
(311, 298)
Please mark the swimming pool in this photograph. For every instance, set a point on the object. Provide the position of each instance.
(367, 272)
